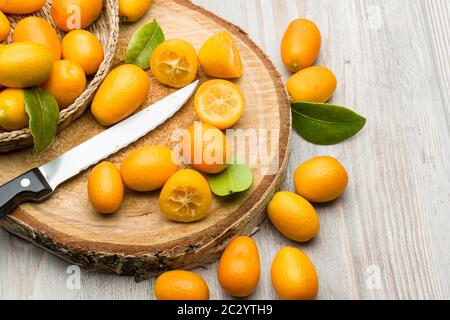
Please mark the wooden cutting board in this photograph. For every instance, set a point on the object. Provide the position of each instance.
(138, 240)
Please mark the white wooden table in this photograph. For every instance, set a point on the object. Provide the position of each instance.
(389, 236)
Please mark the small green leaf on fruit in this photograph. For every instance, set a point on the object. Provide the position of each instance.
(236, 178)
(142, 44)
(43, 111)
(325, 124)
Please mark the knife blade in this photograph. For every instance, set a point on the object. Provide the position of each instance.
(38, 184)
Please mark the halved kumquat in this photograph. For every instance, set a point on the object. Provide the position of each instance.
(185, 197)
(220, 103)
(220, 58)
(174, 63)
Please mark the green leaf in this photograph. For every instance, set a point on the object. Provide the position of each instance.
(236, 178)
(43, 111)
(325, 124)
(142, 44)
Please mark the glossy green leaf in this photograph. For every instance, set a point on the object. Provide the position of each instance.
(325, 124)
(143, 43)
(236, 178)
(43, 111)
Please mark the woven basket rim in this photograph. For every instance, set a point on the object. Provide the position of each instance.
(10, 140)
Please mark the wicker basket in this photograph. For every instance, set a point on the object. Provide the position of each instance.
(106, 28)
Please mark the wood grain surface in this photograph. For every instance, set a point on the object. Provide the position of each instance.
(138, 240)
(392, 62)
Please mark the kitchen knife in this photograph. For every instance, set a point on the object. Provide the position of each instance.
(38, 184)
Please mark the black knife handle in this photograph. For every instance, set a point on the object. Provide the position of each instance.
(31, 186)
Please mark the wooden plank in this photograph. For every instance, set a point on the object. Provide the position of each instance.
(438, 23)
(392, 62)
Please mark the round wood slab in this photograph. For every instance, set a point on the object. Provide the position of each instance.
(138, 240)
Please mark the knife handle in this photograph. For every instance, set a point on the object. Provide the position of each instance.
(31, 186)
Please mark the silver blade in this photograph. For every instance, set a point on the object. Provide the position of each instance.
(115, 138)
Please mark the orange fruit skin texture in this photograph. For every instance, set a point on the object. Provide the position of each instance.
(209, 149)
(122, 92)
(294, 276)
(12, 110)
(293, 216)
(228, 107)
(181, 285)
(148, 168)
(69, 15)
(186, 196)
(105, 188)
(5, 27)
(313, 84)
(300, 45)
(321, 179)
(38, 30)
(24, 64)
(133, 10)
(66, 83)
(220, 57)
(21, 7)
(239, 268)
(84, 48)
(174, 63)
